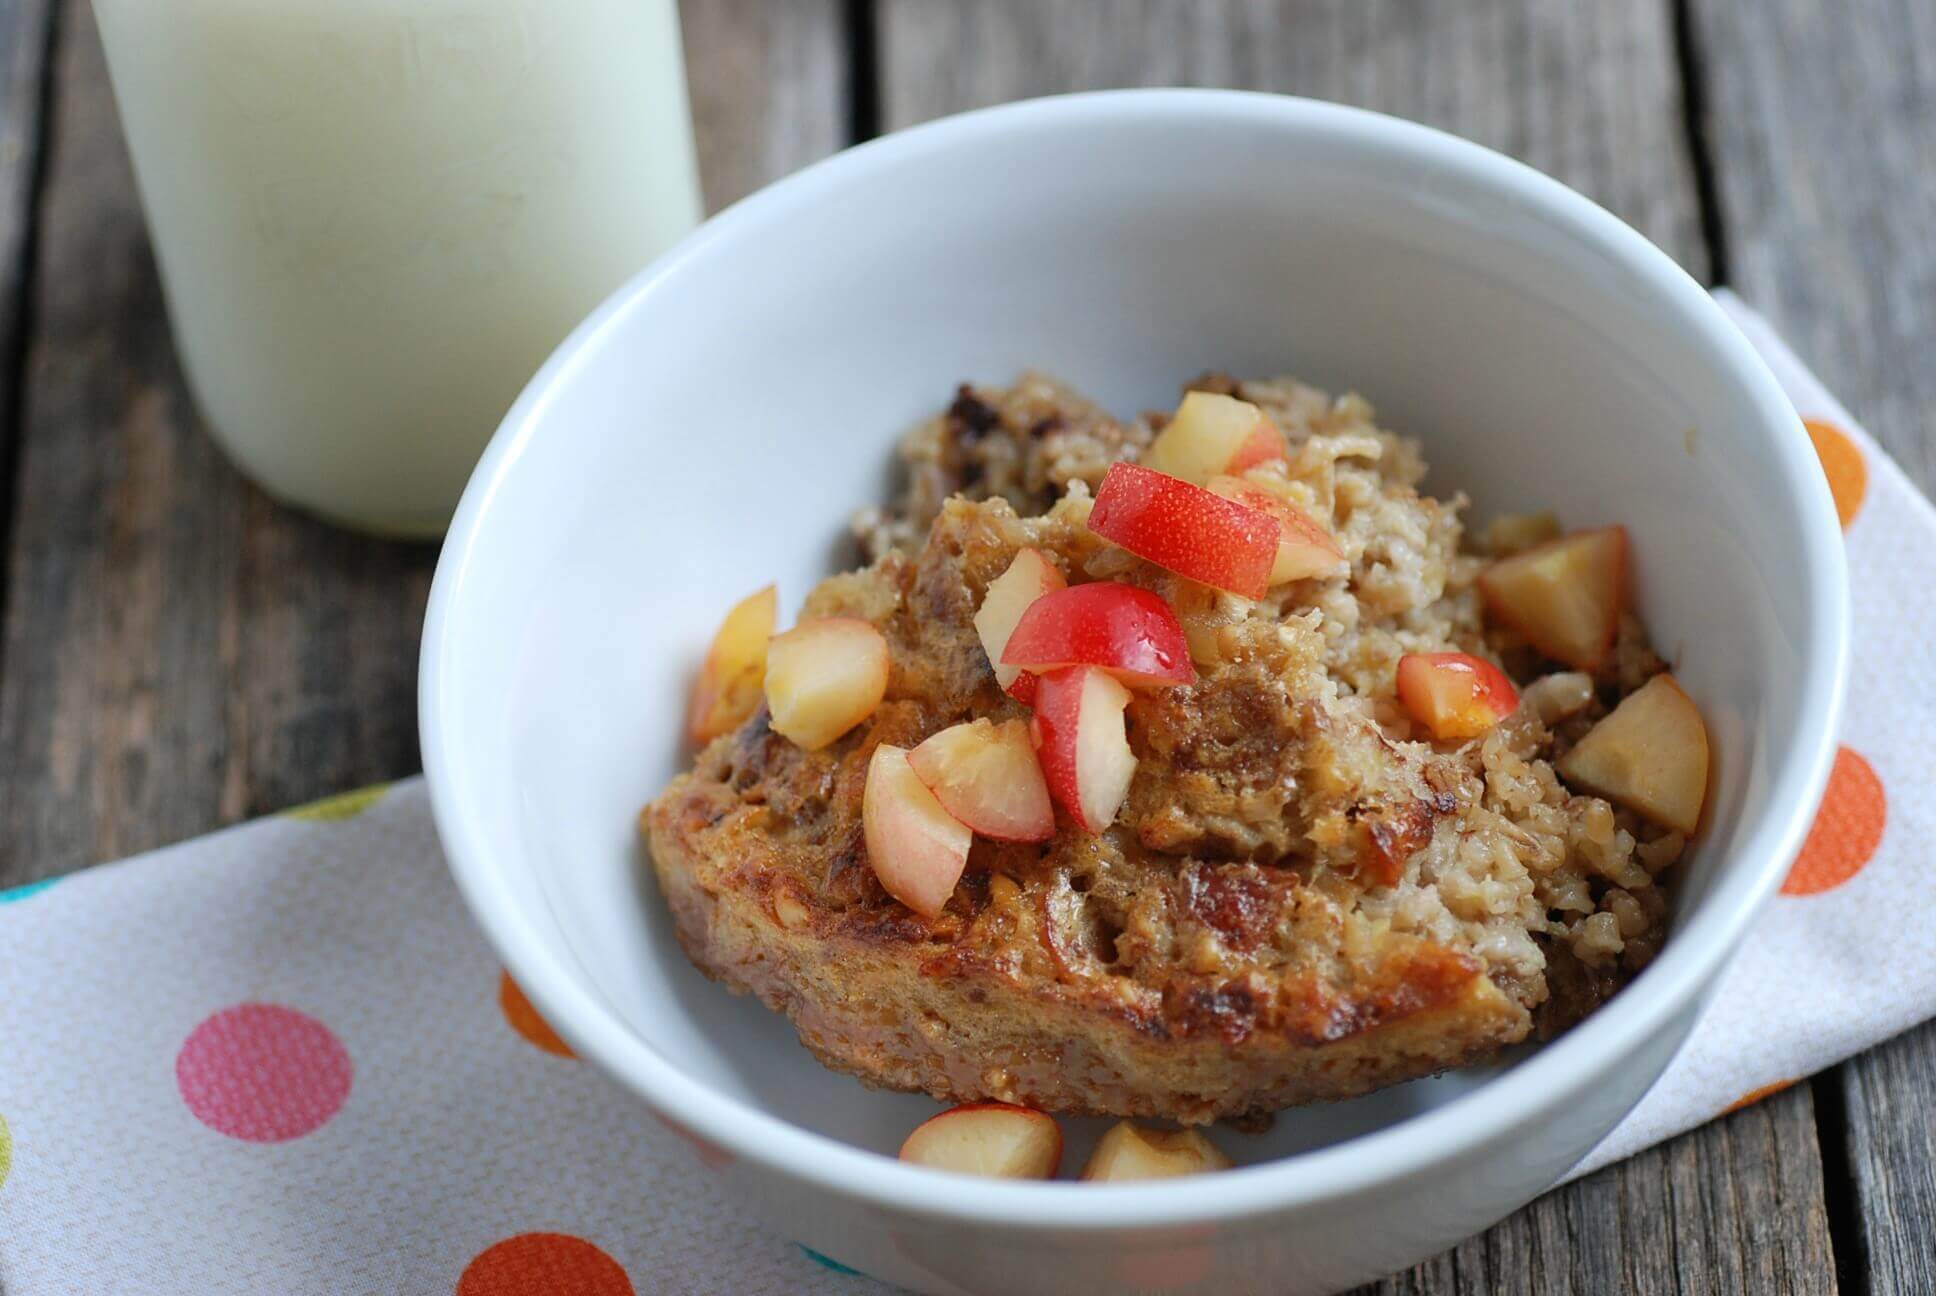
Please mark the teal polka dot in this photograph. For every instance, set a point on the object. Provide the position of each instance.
(827, 1263)
(22, 892)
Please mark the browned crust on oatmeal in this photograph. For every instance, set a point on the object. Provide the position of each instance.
(896, 1004)
(1301, 899)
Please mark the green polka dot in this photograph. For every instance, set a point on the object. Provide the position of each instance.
(344, 805)
(26, 889)
(6, 1151)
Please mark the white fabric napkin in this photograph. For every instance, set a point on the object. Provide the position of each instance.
(281, 1060)
(1838, 962)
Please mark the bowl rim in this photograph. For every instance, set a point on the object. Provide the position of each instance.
(1533, 1088)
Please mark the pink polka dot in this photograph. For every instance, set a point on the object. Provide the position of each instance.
(263, 1073)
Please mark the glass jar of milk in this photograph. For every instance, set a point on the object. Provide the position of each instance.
(375, 218)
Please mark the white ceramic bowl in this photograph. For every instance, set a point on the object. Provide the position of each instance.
(713, 425)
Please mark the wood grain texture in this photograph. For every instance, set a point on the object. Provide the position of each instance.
(1822, 122)
(1822, 127)
(1887, 1093)
(1590, 94)
(117, 724)
(1733, 1208)
(1587, 93)
(771, 88)
(180, 651)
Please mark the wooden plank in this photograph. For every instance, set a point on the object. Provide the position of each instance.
(1735, 1207)
(771, 88)
(180, 652)
(1891, 1141)
(1587, 93)
(1590, 94)
(1823, 134)
(1823, 131)
(115, 725)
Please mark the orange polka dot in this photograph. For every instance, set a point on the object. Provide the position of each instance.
(524, 1018)
(1847, 830)
(1848, 475)
(1754, 1096)
(543, 1264)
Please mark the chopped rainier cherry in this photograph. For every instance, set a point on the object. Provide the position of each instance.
(824, 677)
(916, 848)
(1649, 754)
(1211, 434)
(988, 777)
(1304, 549)
(1083, 742)
(1129, 632)
(729, 684)
(1186, 529)
(994, 1139)
(1513, 533)
(1132, 1152)
(1027, 579)
(1564, 596)
(1455, 695)
(1263, 445)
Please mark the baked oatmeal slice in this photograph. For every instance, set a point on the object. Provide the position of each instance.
(1301, 898)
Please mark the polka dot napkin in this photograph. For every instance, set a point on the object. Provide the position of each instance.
(281, 1060)
(1837, 962)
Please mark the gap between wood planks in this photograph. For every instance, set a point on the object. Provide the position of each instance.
(39, 34)
(1847, 1240)
(1700, 145)
(863, 72)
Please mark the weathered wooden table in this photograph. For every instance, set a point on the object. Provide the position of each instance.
(180, 653)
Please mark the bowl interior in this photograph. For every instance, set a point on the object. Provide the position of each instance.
(712, 430)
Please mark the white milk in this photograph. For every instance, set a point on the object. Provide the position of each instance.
(375, 218)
